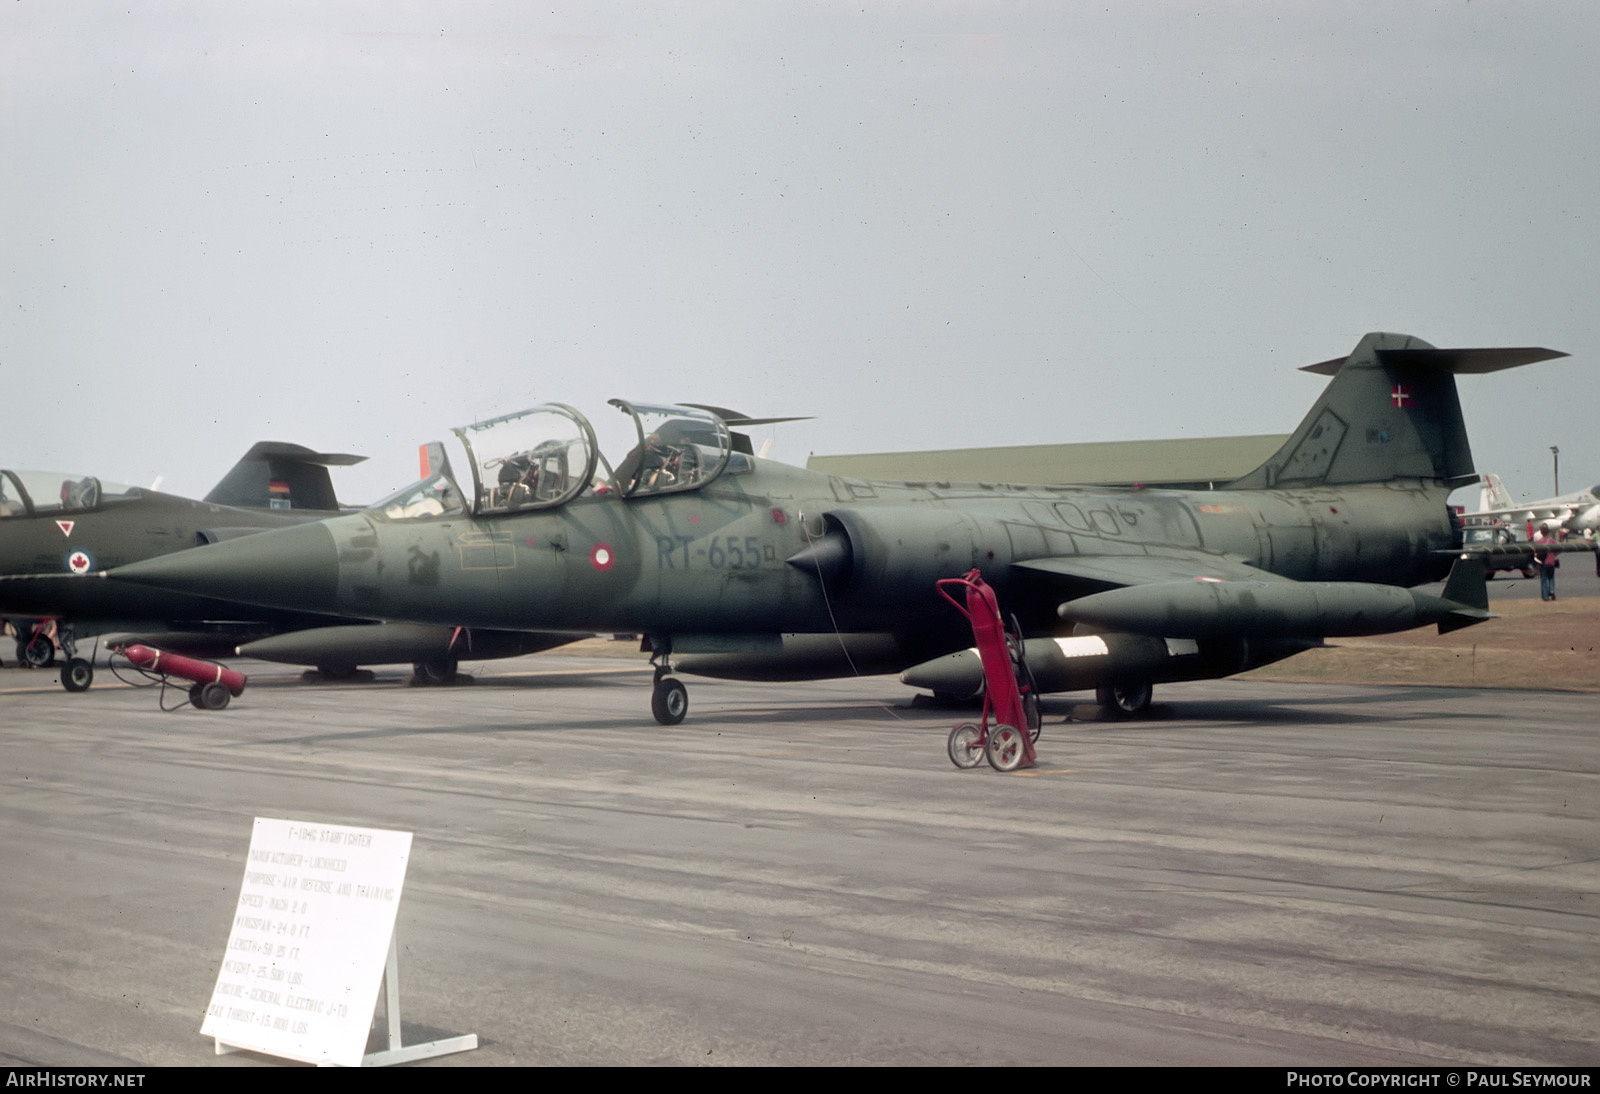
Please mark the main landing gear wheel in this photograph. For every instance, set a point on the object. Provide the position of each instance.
(964, 745)
(1124, 698)
(1005, 750)
(435, 673)
(670, 701)
(77, 674)
(39, 651)
(212, 696)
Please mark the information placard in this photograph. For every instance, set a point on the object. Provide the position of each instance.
(306, 952)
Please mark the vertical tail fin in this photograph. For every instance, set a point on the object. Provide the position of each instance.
(1493, 495)
(1390, 412)
(278, 475)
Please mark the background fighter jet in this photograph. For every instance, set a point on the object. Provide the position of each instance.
(713, 554)
(1576, 512)
(55, 528)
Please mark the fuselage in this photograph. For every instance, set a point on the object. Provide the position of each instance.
(715, 561)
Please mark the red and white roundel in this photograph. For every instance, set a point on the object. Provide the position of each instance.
(79, 562)
(602, 557)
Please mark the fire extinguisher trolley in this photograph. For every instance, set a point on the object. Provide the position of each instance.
(212, 686)
(1009, 744)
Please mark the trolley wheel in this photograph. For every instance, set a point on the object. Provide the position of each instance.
(1124, 698)
(336, 670)
(39, 652)
(212, 696)
(1005, 750)
(1528, 571)
(966, 745)
(670, 701)
(435, 673)
(77, 674)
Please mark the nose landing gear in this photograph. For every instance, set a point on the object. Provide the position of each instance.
(669, 699)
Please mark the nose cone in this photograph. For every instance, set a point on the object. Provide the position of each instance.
(295, 568)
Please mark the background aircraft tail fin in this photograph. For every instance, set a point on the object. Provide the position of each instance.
(1390, 412)
(279, 475)
(1493, 495)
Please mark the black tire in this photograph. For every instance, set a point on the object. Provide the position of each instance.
(435, 673)
(194, 696)
(77, 674)
(1006, 748)
(1030, 710)
(965, 745)
(1126, 698)
(39, 651)
(670, 701)
(213, 696)
(1528, 572)
(336, 670)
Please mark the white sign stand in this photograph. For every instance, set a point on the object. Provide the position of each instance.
(307, 951)
(397, 1053)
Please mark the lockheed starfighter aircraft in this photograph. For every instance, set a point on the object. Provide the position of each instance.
(55, 528)
(737, 566)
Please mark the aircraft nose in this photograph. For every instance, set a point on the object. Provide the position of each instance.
(294, 568)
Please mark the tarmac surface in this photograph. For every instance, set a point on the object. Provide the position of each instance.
(1260, 873)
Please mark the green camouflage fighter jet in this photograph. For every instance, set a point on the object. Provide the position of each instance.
(735, 566)
(55, 528)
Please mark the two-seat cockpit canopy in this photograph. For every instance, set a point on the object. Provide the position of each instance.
(46, 493)
(544, 457)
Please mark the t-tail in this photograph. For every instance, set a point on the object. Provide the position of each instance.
(279, 475)
(1492, 495)
(1390, 412)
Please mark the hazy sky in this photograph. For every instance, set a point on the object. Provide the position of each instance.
(355, 225)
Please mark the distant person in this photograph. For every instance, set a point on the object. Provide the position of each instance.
(1547, 559)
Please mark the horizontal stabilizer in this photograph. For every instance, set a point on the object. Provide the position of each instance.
(1462, 362)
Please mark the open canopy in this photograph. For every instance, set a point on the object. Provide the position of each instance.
(544, 457)
(38, 493)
